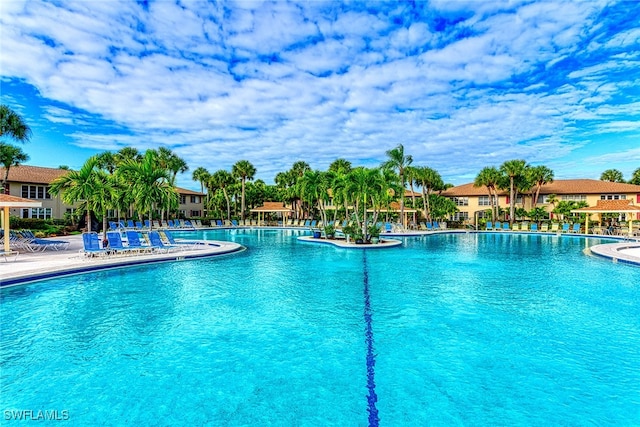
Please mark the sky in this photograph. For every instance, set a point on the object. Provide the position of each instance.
(460, 84)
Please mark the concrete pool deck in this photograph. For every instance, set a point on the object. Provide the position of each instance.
(32, 266)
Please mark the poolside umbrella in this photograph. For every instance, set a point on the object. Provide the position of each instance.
(610, 206)
(7, 202)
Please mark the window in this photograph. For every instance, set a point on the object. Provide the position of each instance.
(42, 213)
(182, 213)
(195, 213)
(460, 216)
(613, 197)
(35, 192)
(195, 199)
(574, 197)
(183, 199)
(543, 199)
(484, 201)
(460, 201)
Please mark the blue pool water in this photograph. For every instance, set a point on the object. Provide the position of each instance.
(471, 329)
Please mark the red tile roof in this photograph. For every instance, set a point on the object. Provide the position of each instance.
(611, 206)
(16, 202)
(32, 174)
(561, 186)
(272, 207)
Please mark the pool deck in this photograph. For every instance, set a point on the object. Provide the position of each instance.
(33, 266)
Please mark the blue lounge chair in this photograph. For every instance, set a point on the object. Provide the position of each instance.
(158, 244)
(219, 223)
(130, 224)
(116, 245)
(388, 228)
(534, 227)
(429, 226)
(188, 244)
(147, 224)
(575, 228)
(489, 225)
(91, 244)
(498, 226)
(139, 225)
(565, 227)
(234, 223)
(505, 226)
(313, 223)
(134, 242)
(113, 226)
(170, 223)
(34, 244)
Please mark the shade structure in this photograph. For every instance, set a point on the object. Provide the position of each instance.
(610, 206)
(270, 207)
(7, 202)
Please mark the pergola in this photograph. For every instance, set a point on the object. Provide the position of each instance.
(610, 206)
(395, 208)
(7, 202)
(269, 207)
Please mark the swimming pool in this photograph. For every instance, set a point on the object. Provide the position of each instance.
(470, 329)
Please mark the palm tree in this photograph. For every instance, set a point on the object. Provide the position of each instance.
(430, 180)
(612, 175)
(412, 176)
(340, 166)
(399, 161)
(514, 169)
(222, 180)
(13, 125)
(539, 176)
(127, 153)
(489, 177)
(314, 187)
(635, 177)
(244, 171)
(365, 187)
(88, 185)
(202, 175)
(150, 184)
(10, 155)
(170, 161)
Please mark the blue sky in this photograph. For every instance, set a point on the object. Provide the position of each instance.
(461, 84)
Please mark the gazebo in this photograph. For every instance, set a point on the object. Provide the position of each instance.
(7, 202)
(268, 207)
(610, 206)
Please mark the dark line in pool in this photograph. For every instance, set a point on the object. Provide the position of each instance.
(372, 398)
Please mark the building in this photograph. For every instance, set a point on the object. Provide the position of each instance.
(472, 201)
(32, 182)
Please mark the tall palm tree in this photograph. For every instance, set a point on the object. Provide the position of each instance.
(612, 175)
(365, 187)
(411, 172)
(170, 161)
(127, 153)
(430, 180)
(514, 169)
(539, 176)
(340, 166)
(244, 171)
(489, 177)
(10, 155)
(88, 185)
(222, 179)
(399, 161)
(314, 187)
(150, 184)
(13, 125)
(202, 175)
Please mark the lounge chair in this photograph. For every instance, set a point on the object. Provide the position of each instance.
(234, 223)
(555, 227)
(113, 226)
(139, 225)
(505, 226)
(184, 244)
(170, 223)
(91, 245)
(516, 227)
(156, 224)
(34, 244)
(566, 227)
(116, 245)
(8, 254)
(534, 227)
(524, 226)
(544, 227)
(488, 227)
(130, 224)
(498, 226)
(133, 241)
(158, 244)
(575, 228)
